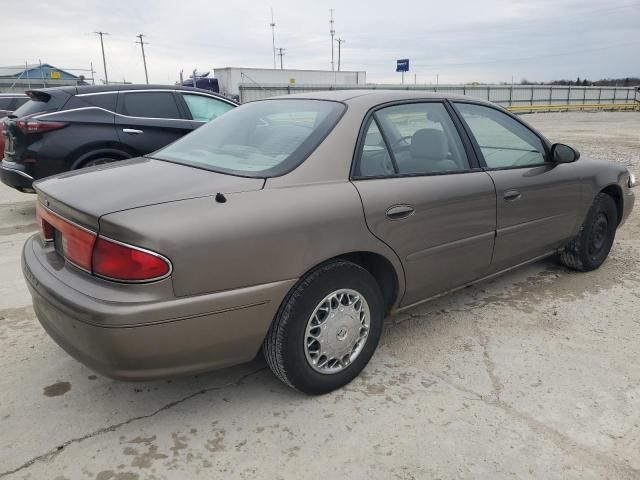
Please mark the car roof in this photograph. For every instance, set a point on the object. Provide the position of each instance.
(375, 96)
(85, 89)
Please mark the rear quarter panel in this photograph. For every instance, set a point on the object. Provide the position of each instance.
(90, 130)
(254, 238)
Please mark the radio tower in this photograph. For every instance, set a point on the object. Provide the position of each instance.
(332, 31)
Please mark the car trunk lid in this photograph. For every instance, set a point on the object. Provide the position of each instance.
(83, 196)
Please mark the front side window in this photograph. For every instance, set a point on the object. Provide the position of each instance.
(259, 139)
(149, 105)
(504, 142)
(422, 139)
(203, 108)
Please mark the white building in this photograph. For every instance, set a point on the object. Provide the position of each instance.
(230, 78)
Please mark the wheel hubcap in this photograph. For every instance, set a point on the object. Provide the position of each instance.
(599, 234)
(337, 331)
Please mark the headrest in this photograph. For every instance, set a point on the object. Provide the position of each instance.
(429, 143)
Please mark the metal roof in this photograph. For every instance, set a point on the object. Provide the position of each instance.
(17, 70)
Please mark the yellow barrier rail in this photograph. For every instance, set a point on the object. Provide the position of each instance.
(581, 106)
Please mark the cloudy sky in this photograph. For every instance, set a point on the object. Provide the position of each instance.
(461, 41)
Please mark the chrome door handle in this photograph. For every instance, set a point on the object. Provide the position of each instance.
(511, 195)
(398, 212)
(132, 131)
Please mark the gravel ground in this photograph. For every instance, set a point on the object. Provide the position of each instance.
(535, 374)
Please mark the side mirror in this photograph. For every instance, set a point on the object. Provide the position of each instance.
(561, 153)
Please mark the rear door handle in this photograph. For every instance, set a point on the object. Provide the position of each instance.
(511, 195)
(132, 131)
(398, 212)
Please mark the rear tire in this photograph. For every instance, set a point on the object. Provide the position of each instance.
(589, 249)
(326, 329)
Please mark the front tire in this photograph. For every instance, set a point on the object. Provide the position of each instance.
(326, 329)
(590, 248)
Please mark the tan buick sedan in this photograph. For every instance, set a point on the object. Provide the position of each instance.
(296, 224)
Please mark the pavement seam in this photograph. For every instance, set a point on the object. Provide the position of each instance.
(563, 442)
(51, 454)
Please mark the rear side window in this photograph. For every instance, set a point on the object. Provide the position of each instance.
(105, 100)
(149, 105)
(203, 108)
(6, 103)
(416, 139)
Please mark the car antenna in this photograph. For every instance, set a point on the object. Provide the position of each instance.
(220, 198)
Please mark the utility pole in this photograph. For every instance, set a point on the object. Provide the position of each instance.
(144, 58)
(93, 80)
(340, 42)
(332, 32)
(273, 38)
(281, 54)
(104, 60)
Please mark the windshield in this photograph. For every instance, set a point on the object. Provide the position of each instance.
(259, 139)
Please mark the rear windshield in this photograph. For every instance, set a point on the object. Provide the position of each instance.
(259, 139)
(40, 104)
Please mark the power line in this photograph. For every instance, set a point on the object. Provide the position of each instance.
(104, 60)
(144, 58)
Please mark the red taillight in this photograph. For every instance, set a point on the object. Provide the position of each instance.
(121, 262)
(38, 126)
(77, 242)
(46, 230)
(100, 256)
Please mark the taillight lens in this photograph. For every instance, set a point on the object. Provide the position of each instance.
(121, 262)
(45, 228)
(100, 256)
(77, 242)
(38, 126)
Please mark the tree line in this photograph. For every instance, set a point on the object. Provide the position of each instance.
(584, 82)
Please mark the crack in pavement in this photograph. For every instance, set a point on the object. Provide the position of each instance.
(27, 228)
(562, 441)
(56, 451)
(489, 364)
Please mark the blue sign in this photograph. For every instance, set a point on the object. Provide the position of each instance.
(402, 65)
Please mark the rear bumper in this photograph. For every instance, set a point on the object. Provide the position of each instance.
(228, 330)
(12, 174)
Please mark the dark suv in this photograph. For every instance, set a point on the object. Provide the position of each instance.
(10, 102)
(61, 129)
